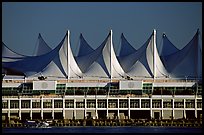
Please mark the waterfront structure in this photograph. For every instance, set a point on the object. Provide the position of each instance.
(99, 84)
(100, 99)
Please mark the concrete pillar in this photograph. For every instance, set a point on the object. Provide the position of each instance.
(107, 108)
(128, 107)
(162, 111)
(42, 107)
(63, 106)
(96, 108)
(140, 103)
(184, 105)
(31, 107)
(196, 108)
(9, 106)
(85, 107)
(53, 107)
(74, 108)
(19, 107)
(173, 107)
(151, 108)
(118, 115)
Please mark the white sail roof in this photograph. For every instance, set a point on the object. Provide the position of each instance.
(167, 47)
(57, 63)
(102, 62)
(42, 46)
(9, 55)
(84, 48)
(145, 62)
(186, 63)
(126, 48)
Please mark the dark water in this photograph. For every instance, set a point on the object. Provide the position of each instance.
(104, 130)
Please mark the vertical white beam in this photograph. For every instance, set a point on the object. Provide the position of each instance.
(140, 103)
(128, 107)
(31, 108)
(68, 54)
(184, 104)
(173, 107)
(107, 107)
(74, 108)
(41, 107)
(195, 108)
(111, 44)
(85, 106)
(162, 111)
(20, 108)
(151, 108)
(9, 106)
(154, 53)
(63, 105)
(118, 109)
(53, 113)
(96, 108)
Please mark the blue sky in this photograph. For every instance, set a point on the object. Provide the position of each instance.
(23, 21)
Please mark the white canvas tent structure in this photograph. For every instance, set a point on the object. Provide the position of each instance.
(125, 48)
(57, 63)
(84, 48)
(102, 62)
(145, 62)
(167, 47)
(9, 55)
(42, 47)
(186, 63)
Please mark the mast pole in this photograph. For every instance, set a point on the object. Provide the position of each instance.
(154, 53)
(68, 55)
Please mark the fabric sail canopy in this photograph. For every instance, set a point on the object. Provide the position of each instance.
(101, 62)
(167, 47)
(84, 48)
(125, 48)
(145, 62)
(42, 46)
(187, 62)
(9, 55)
(58, 63)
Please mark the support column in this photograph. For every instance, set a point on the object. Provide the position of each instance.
(118, 110)
(173, 108)
(151, 108)
(42, 107)
(31, 109)
(85, 107)
(74, 108)
(63, 106)
(19, 107)
(196, 108)
(128, 107)
(184, 105)
(9, 106)
(96, 108)
(53, 107)
(162, 111)
(140, 103)
(107, 108)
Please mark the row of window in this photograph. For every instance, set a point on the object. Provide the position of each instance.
(103, 92)
(103, 104)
